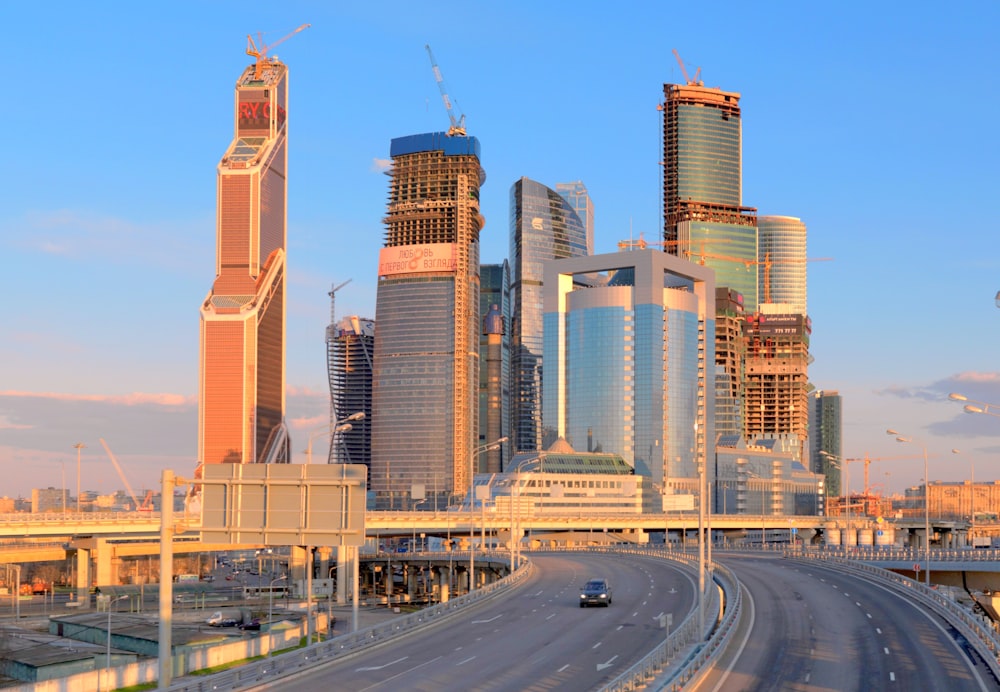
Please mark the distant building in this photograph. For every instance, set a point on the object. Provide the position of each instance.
(351, 351)
(761, 478)
(494, 368)
(241, 415)
(704, 219)
(782, 263)
(561, 480)
(543, 226)
(826, 435)
(776, 385)
(630, 361)
(730, 362)
(8, 505)
(576, 194)
(426, 365)
(49, 500)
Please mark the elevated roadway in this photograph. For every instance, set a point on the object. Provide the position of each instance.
(534, 638)
(818, 628)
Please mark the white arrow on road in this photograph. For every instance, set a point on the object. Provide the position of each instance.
(483, 622)
(602, 666)
(386, 665)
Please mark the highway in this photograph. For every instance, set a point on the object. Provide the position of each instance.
(534, 638)
(814, 628)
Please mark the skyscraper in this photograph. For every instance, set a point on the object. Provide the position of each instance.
(702, 186)
(426, 375)
(352, 342)
(543, 226)
(782, 256)
(826, 435)
(242, 353)
(494, 369)
(630, 363)
(576, 194)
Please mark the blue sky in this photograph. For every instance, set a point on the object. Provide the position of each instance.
(873, 122)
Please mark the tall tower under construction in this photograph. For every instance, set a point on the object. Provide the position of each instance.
(426, 364)
(242, 346)
(704, 219)
(351, 344)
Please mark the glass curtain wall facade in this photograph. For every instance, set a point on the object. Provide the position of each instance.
(782, 257)
(576, 194)
(351, 357)
(424, 407)
(826, 435)
(630, 363)
(241, 414)
(494, 369)
(543, 226)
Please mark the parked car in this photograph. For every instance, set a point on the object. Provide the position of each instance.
(596, 592)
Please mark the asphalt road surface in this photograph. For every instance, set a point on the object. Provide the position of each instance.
(536, 637)
(814, 628)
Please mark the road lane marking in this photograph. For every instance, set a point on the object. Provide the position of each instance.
(483, 622)
(892, 677)
(607, 664)
(879, 630)
(563, 668)
(384, 665)
(464, 661)
(886, 650)
(550, 616)
(869, 615)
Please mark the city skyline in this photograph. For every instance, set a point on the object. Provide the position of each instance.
(900, 317)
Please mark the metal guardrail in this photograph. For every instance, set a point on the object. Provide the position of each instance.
(895, 554)
(985, 640)
(268, 670)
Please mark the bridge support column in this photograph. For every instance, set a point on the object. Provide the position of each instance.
(410, 571)
(324, 561)
(443, 582)
(104, 554)
(344, 569)
(83, 577)
(297, 563)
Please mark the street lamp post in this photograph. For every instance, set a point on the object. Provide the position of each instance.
(927, 504)
(270, 610)
(844, 466)
(972, 499)
(78, 446)
(472, 506)
(341, 426)
(107, 660)
(983, 407)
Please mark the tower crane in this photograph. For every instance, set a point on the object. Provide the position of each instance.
(642, 244)
(260, 51)
(457, 125)
(768, 263)
(121, 474)
(689, 82)
(867, 460)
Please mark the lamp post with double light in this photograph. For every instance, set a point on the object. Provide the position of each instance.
(490, 446)
(844, 466)
(972, 498)
(927, 504)
(341, 426)
(78, 447)
(982, 406)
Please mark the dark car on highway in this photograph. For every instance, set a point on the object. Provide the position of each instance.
(596, 592)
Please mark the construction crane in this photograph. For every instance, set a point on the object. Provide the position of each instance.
(768, 262)
(259, 52)
(642, 244)
(457, 125)
(689, 82)
(867, 460)
(121, 474)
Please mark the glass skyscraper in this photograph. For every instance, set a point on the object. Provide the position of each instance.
(782, 255)
(543, 226)
(352, 343)
(241, 390)
(494, 365)
(826, 435)
(702, 186)
(426, 374)
(576, 194)
(629, 363)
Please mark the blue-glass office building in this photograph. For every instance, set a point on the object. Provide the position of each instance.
(543, 226)
(629, 351)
